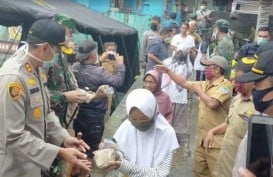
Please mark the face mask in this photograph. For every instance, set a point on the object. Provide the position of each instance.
(167, 40)
(239, 87)
(208, 73)
(142, 126)
(153, 27)
(68, 39)
(258, 96)
(214, 35)
(203, 7)
(261, 41)
(40, 60)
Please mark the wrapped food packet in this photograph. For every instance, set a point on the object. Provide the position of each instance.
(107, 89)
(105, 154)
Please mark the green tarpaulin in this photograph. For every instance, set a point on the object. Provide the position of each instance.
(101, 28)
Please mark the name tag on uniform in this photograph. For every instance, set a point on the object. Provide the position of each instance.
(34, 90)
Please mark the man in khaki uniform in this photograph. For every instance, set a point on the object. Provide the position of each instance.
(235, 127)
(262, 94)
(31, 134)
(215, 95)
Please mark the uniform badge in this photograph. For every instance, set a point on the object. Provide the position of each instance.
(36, 113)
(31, 82)
(28, 67)
(37, 99)
(15, 90)
(223, 90)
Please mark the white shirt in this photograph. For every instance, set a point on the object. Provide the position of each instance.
(197, 65)
(178, 39)
(177, 94)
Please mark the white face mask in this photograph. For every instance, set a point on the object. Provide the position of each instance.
(22, 52)
(214, 34)
(203, 7)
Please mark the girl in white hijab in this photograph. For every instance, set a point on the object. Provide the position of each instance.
(146, 140)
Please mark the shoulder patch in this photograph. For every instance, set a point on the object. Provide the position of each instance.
(15, 90)
(28, 67)
(224, 90)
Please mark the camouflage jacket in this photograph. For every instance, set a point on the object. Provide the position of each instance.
(225, 48)
(60, 79)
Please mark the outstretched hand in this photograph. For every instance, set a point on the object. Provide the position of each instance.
(161, 68)
(73, 142)
(76, 158)
(80, 172)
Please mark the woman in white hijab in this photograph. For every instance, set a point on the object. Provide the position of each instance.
(147, 141)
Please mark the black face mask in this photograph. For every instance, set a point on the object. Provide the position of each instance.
(153, 27)
(142, 126)
(258, 96)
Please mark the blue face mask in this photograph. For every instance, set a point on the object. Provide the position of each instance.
(261, 41)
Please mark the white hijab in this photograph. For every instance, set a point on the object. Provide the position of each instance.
(145, 148)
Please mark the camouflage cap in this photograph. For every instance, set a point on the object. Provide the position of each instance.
(222, 23)
(66, 21)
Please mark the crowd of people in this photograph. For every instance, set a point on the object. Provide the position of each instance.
(57, 96)
(202, 59)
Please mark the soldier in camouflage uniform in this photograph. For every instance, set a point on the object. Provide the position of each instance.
(64, 95)
(63, 89)
(63, 86)
(224, 46)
